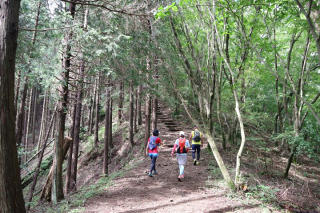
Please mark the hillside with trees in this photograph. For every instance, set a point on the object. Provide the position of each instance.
(84, 84)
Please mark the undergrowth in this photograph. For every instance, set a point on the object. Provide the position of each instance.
(75, 202)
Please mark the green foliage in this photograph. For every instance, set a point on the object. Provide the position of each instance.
(263, 193)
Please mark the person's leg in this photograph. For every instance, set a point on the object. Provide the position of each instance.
(198, 152)
(194, 153)
(154, 160)
(152, 165)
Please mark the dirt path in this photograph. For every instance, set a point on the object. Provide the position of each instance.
(137, 192)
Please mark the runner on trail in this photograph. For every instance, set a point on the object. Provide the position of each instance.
(181, 147)
(197, 141)
(152, 150)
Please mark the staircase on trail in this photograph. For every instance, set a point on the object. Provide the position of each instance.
(168, 127)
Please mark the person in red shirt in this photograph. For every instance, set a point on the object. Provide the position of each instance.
(152, 150)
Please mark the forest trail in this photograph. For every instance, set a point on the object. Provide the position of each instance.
(137, 192)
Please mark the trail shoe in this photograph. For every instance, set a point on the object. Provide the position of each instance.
(179, 178)
(194, 162)
(150, 174)
(197, 162)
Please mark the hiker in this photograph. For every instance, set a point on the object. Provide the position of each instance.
(181, 147)
(152, 150)
(197, 141)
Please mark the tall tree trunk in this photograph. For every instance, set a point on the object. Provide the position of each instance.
(218, 91)
(76, 139)
(16, 97)
(135, 128)
(21, 115)
(93, 109)
(154, 113)
(297, 92)
(121, 100)
(57, 184)
(131, 112)
(110, 140)
(11, 198)
(147, 119)
(43, 114)
(69, 163)
(26, 143)
(139, 100)
(96, 125)
(34, 115)
(90, 113)
(106, 131)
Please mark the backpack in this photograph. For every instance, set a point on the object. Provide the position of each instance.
(182, 147)
(196, 136)
(152, 142)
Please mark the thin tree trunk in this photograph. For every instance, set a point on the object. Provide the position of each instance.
(139, 100)
(106, 132)
(16, 98)
(218, 91)
(76, 140)
(93, 109)
(69, 164)
(131, 112)
(93, 106)
(34, 116)
(147, 119)
(11, 197)
(90, 114)
(110, 140)
(135, 128)
(154, 113)
(26, 143)
(96, 126)
(121, 100)
(43, 114)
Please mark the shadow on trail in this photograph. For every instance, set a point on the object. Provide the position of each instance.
(234, 208)
(171, 204)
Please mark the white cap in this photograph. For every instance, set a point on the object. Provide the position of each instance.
(181, 133)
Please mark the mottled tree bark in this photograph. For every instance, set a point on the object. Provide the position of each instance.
(76, 139)
(11, 198)
(57, 184)
(106, 132)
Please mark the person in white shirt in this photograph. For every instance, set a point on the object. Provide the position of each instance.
(181, 147)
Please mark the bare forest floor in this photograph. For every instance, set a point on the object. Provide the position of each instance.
(202, 190)
(129, 189)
